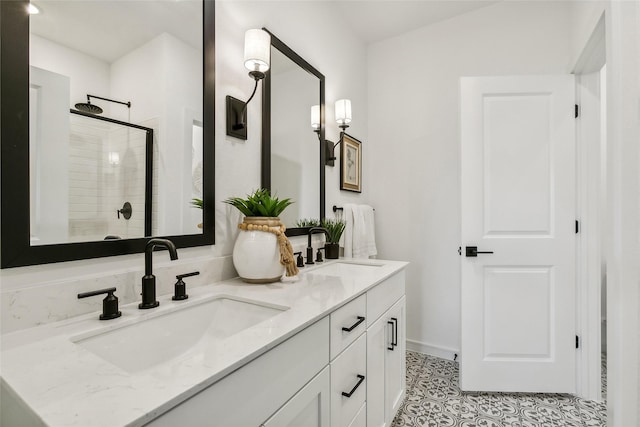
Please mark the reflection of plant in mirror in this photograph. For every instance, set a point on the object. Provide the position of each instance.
(197, 203)
(260, 203)
(335, 228)
(311, 222)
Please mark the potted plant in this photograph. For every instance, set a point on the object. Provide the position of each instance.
(335, 228)
(262, 252)
(307, 223)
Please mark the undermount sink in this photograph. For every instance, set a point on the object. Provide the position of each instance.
(168, 336)
(346, 269)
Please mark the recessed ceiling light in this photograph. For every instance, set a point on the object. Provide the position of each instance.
(32, 9)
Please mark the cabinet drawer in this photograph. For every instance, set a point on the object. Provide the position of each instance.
(383, 296)
(348, 383)
(347, 323)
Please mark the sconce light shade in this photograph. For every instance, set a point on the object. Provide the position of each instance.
(257, 50)
(315, 117)
(343, 112)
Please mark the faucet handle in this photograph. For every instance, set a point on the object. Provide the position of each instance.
(299, 260)
(180, 288)
(319, 255)
(109, 303)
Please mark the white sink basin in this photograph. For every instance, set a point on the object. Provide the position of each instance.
(346, 269)
(168, 336)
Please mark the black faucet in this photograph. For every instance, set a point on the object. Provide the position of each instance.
(149, 280)
(314, 230)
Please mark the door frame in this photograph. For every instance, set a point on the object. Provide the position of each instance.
(622, 226)
(589, 244)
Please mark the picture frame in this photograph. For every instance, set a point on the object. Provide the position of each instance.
(351, 164)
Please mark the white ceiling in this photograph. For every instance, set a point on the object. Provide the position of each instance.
(109, 29)
(375, 20)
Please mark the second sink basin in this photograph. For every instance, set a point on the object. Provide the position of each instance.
(346, 269)
(167, 336)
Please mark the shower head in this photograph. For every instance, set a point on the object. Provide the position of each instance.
(88, 107)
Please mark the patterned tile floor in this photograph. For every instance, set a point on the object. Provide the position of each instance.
(434, 399)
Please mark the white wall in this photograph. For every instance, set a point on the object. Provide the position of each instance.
(335, 52)
(88, 75)
(414, 128)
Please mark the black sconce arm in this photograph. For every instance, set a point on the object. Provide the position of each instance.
(330, 146)
(240, 124)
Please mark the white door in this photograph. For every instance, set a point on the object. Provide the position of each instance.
(518, 203)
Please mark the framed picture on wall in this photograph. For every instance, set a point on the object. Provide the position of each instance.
(351, 164)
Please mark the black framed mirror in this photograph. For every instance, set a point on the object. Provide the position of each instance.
(292, 156)
(21, 245)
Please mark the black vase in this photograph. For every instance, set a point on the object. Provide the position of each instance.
(332, 250)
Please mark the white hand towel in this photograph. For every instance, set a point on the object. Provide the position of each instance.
(359, 243)
(370, 231)
(346, 241)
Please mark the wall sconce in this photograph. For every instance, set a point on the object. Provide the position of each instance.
(257, 57)
(343, 118)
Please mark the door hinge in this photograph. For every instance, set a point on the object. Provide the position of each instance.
(577, 226)
(576, 111)
(577, 341)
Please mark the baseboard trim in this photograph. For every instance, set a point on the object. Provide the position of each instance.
(433, 350)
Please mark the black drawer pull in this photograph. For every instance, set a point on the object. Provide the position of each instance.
(353, 390)
(389, 322)
(355, 325)
(394, 341)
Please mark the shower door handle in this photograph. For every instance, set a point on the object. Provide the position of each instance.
(472, 251)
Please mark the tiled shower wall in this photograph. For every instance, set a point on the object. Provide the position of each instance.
(106, 169)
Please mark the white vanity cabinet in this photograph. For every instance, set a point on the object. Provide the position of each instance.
(252, 394)
(310, 407)
(386, 363)
(345, 370)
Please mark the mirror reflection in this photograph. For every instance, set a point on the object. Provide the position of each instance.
(295, 157)
(138, 63)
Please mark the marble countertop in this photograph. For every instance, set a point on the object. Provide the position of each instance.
(64, 384)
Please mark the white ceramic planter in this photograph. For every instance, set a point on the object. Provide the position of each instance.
(256, 254)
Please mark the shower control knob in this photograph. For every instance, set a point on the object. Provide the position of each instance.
(126, 210)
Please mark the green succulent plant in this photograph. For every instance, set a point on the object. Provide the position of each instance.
(260, 203)
(197, 203)
(304, 222)
(335, 227)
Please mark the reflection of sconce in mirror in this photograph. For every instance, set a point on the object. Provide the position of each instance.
(343, 118)
(32, 9)
(257, 55)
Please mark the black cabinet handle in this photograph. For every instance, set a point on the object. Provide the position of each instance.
(472, 251)
(353, 390)
(389, 322)
(394, 341)
(355, 325)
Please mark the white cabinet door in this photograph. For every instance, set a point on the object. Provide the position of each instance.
(386, 366)
(310, 407)
(378, 339)
(518, 213)
(395, 362)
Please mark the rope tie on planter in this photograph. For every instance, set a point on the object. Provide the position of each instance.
(286, 250)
